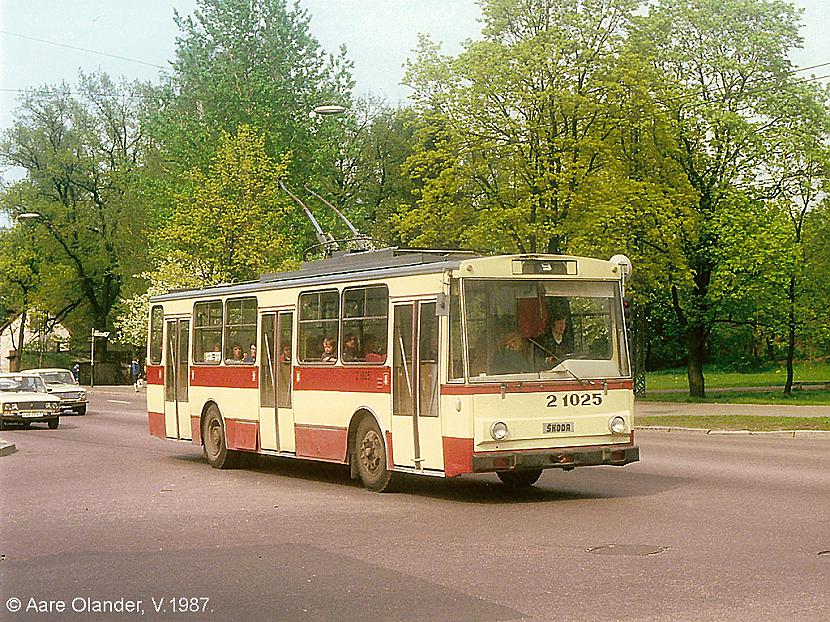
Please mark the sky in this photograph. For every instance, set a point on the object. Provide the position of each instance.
(379, 35)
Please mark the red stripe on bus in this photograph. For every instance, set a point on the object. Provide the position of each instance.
(155, 374)
(236, 376)
(534, 387)
(196, 429)
(354, 379)
(320, 442)
(242, 434)
(458, 456)
(156, 424)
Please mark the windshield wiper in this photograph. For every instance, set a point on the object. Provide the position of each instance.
(558, 360)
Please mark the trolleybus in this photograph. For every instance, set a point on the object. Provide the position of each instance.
(436, 363)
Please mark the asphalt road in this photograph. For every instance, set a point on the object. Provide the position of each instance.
(98, 515)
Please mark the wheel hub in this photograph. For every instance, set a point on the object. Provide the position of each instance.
(370, 451)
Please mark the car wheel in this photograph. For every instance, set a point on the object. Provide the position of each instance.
(370, 457)
(80, 410)
(2, 423)
(214, 443)
(519, 479)
(54, 423)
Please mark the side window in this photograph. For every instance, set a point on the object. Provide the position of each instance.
(156, 330)
(207, 332)
(240, 331)
(365, 324)
(456, 348)
(317, 330)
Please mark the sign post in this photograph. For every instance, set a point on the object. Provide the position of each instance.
(95, 333)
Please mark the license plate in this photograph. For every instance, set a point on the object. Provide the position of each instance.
(31, 414)
(558, 427)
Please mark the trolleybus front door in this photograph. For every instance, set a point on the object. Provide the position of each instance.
(176, 406)
(276, 415)
(416, 425)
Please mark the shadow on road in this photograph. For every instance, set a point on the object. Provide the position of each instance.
(596, 483)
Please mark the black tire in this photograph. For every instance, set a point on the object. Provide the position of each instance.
(214, 443)
(370, 457)
(80, 410)
(519, 479)
(54, 423)
(3, 424)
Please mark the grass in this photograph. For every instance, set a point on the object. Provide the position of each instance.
(736, 422)
(676, 378)
(798, 398)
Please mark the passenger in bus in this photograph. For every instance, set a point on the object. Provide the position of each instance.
(511, 357)
(250, 358)
(329, 355)
(350, 349)
(236, 355)
(285, 355)
(370, 353)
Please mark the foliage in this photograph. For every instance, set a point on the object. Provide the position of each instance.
(517, 125)
(80, 151)
(229, 223)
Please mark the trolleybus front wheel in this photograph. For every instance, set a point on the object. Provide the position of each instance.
(370, 456)
(519, 479)
(214, 444)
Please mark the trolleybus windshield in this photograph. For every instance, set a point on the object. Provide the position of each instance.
(542, 329)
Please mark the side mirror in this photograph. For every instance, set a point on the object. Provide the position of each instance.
(48, 389)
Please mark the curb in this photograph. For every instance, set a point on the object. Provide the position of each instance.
(7, 448)
(776, 433)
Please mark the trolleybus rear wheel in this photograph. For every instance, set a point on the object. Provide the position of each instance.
(370, 456)
(519, 479)
(214, 444)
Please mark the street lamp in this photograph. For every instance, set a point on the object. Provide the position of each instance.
(328, 109)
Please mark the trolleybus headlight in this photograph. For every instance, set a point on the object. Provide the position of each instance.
(498, 430)
(617, 425)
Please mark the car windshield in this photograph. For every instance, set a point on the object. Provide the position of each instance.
(57, 377)
(16, 384)
(544, 329)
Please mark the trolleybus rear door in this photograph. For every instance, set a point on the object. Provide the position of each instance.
(276, 415)
(176, 406)
(416, 425)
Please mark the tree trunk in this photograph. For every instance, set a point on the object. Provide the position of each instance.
(788, 386)
(696, 349)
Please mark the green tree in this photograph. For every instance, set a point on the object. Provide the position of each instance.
(723, 65)
(80, 152)
(517, 125)
(230, 223)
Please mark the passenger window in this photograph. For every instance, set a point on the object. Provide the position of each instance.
(207, 332)
(318, 323)
(365, 324)
(240, 331)
(156, 330)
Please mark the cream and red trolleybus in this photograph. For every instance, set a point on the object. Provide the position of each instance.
(428, 362)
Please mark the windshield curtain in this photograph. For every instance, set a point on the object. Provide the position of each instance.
(545, 328)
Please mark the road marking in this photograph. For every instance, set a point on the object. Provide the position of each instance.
(118, 401)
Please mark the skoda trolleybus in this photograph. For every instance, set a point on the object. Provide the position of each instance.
(393, 361)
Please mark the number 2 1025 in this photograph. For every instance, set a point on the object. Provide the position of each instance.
(569, 400)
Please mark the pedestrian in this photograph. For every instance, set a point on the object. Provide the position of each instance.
(76, 371)
(135, 372)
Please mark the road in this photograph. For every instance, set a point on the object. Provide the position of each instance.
(99, 513)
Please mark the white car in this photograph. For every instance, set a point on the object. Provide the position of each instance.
(62, 383)
(25, 400)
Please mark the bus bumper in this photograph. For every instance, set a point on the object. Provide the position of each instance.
(566, 458)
